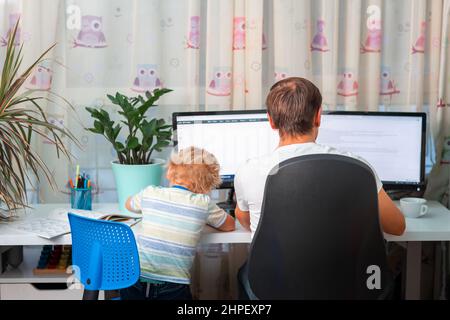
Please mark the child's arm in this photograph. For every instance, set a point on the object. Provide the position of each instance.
(219, 219)
(133, 203)
(129, 206)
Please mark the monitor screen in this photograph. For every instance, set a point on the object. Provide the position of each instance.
(393, 143)
(233, 137)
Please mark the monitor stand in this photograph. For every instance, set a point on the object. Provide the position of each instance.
(229, 205)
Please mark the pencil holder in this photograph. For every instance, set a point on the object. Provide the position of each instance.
(81, 199)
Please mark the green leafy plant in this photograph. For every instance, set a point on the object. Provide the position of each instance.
(144, 135)
(21, 116)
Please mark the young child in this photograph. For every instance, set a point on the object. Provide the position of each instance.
(172, 221)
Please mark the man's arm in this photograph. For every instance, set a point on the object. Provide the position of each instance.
(391, 218)
(243, 217)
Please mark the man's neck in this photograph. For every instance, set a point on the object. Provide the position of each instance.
(288, 140)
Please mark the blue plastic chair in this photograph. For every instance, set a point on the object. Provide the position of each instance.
(104, 255)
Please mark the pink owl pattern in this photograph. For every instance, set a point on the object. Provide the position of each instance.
(387, 85)
(56, 120)
(280, 75)
(348, 86)
(220, 85)
(41, 79)
(320, 42)
(13, 18)
(147, 78)
(373, 38)
(441, 103)
(419, 45)
(194, 33)
(91, 34)
(239, 33)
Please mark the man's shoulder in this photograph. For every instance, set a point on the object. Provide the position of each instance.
(332, 150)
(256, 163)
(323, 148)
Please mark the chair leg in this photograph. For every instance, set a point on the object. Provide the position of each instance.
(245, 291)
(242, 294)
(90, 294)
(112, 295)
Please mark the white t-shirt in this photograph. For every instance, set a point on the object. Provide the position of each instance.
(250, 179)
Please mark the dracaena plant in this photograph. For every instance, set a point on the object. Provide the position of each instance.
(21, 116)
(144, 135)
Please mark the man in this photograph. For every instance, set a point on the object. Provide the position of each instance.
(294, 109)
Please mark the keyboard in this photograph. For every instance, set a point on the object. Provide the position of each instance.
(43, 227)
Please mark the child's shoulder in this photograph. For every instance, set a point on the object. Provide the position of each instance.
(177, 196)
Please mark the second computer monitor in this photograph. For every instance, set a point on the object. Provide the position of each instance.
(392, 142)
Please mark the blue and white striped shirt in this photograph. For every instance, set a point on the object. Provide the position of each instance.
(172, 221)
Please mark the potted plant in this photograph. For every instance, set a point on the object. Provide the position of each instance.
(21, 116)
(134, 168)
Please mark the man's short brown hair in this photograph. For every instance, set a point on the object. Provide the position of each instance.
(292, 104)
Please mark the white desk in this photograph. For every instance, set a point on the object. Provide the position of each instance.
(435, 226)
(16, 282)
(12, 237)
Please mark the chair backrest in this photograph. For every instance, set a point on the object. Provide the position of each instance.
(319, 235)
(104, 253)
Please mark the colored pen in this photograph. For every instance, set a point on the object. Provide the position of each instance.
(81, 180)
(77, 175)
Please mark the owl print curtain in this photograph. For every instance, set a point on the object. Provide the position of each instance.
(225, 54)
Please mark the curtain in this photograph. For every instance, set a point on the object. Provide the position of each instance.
(220, 55)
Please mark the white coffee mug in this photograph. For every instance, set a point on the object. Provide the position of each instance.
(413, 207)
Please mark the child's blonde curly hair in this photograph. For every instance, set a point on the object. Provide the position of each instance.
(194, 168)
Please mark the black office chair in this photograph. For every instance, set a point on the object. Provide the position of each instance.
(319, 235)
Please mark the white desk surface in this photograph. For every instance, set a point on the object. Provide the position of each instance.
(435, 226)
(12, 237)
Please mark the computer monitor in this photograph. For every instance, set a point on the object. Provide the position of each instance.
(232, 136)
(393, 143)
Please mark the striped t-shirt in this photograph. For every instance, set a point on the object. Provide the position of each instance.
(172, 220)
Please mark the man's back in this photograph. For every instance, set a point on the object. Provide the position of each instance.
(251, 178)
